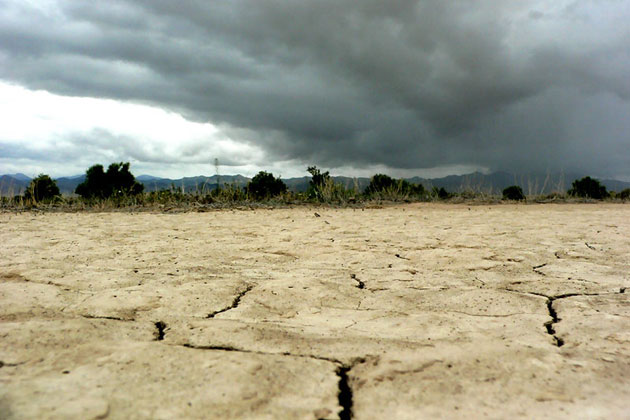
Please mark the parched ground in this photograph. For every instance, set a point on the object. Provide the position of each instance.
(415, 311)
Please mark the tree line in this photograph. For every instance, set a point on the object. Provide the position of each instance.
(118, 181)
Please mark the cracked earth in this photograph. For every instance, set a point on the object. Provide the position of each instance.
(415, 311)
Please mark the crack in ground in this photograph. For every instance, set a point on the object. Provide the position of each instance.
(360, 285)
(238, 350)
(112, 318)
(536, 267)
(14, 277)
(159, 334)
(554, 320)
(235, 302)
(7, 364)
(558, 341)
(345, 395)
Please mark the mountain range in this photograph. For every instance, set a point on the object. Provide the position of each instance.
(494, 183)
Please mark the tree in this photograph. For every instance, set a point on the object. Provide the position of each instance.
(381, 183)
(317, 182)
(95, 184)
(41, 188)
(264, 185)
(588, 187)
(513, 192)
(117, 181)
(625, 194)
(441, 193)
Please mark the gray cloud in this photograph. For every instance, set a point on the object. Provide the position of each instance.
(407, 84)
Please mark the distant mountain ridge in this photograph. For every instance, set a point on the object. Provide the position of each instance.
(494, 183)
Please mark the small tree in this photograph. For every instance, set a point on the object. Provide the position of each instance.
(440, 193)
(264, 185)
(317, 182)
(117, 181)
(588, 187)
(625, 194)
(381, 184)
(513, 193)
(41, 188)
(94, 185)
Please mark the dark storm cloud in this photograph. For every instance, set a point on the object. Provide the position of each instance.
(408, 84)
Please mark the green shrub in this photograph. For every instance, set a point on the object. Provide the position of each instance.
(229, 193)
(588, 187)
(385, 187)
(41, 188)
(624, 195)
(317, 183)
(440, 193)
(379, 183)
(332, 192)
(513, 192)
(117, 181)
(264, 185)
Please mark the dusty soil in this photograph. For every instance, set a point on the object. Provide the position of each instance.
(416, 311)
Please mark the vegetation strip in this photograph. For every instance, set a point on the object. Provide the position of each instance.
(117, 187)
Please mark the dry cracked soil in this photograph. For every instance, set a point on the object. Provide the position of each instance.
(405, 312)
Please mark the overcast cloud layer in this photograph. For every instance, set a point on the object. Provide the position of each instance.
(399, 85)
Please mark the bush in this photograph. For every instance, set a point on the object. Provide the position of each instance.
(317, 183)
(116, 182)
(41, 188)
(588, 187)
(228, 193)
(513, 193)
(264, 186)
(440, 193)
(625, 194)
(379, 183)
(384, 186)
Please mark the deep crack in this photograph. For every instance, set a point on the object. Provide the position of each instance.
(554, 320)
(159, 334)
(235, 302)
(345, 395)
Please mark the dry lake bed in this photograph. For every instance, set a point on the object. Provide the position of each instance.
(405, 312)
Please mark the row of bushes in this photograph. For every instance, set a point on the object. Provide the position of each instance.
(119, 184)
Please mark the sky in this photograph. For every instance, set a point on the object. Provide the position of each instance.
(427, 87)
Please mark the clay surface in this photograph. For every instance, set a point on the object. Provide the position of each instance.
(406, 312)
